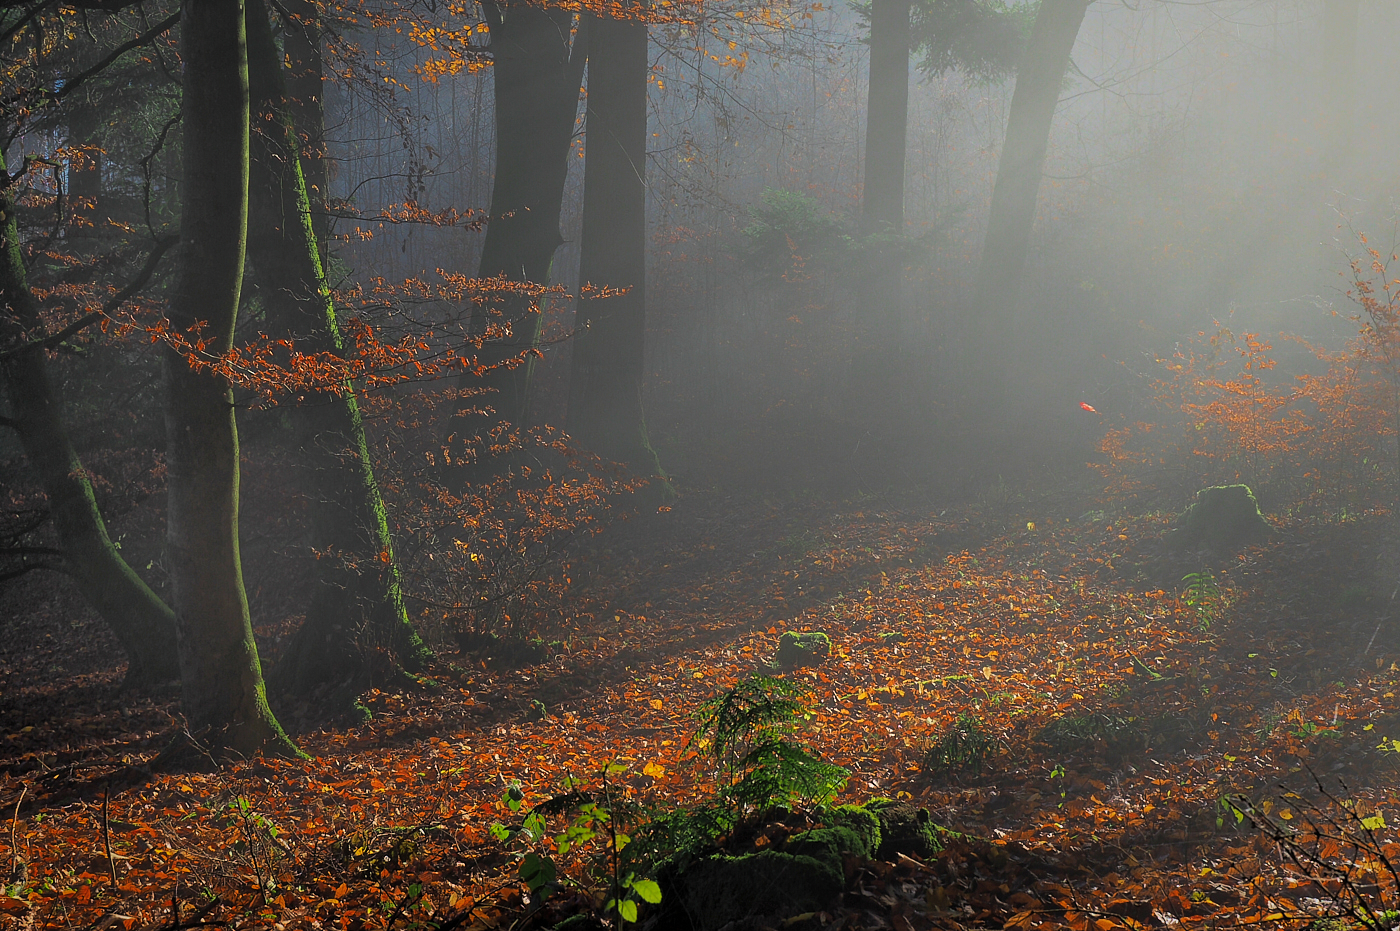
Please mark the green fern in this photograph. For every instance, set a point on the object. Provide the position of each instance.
(1203, 594)
(756, 710)
(746, 732)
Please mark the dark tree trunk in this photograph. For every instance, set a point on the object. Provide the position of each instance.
(358, 599)
(143, 624)
(306, 66)
(538, 71)
(887, 116)
(85, 179)
(225, 702)
(1038, 81)
(605, 389)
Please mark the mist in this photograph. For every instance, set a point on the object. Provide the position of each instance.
(700, 464)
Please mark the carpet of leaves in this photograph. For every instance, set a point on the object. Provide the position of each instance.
(1122, 715)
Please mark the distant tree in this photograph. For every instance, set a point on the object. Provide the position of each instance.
(143, 624)
(537, 58)
(358, 595)
(887, 116)
(605, 387)
(225, 702)
(1038, 80)
(981, 38)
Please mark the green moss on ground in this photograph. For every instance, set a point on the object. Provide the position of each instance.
(807, 873)
(1224, 517)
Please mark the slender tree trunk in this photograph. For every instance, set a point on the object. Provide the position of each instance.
(143, 624)
(887, 116)
(1022, 160)
(875, 350)
(538, 70)
(302, 44)
(225, 701)
(605, 389)
(358, 600)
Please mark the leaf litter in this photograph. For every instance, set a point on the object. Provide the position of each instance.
(1119, 721)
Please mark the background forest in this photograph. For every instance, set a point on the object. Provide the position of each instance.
(704, 464)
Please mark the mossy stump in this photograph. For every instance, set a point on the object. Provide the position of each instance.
(1224, 517)
(904, 828)
(803, 649)
(807, 874)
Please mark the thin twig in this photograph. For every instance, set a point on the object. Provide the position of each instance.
(14, 820)
(107, 839)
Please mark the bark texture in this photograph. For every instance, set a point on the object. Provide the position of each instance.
(141, 621)
(225, 701)
(887, 116)
(605, 388)
(357, 603)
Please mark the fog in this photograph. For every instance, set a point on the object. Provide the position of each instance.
(1208, 163)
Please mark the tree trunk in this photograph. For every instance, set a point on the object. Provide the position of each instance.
(143, 624)
(302, 43)
(84, 180)
(887, 116)
(225, 702)
(605, 389)
(358, 600)
(538, 71)
(1038, 81)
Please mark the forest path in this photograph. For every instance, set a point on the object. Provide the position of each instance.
(1119, 715)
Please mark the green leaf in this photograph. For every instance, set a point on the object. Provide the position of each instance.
(1373, 823)
(627, 909)
(534, 827)
(648, 890)
(537, 871)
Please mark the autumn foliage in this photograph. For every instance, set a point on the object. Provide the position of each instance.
(1319, 442)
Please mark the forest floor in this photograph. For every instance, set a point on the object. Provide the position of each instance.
(1122, 716)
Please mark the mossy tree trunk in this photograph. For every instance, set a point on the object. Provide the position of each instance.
(537, 61)
(141, 621)
(605, 386)
(358, 598)
(225, 702)
(305, 101)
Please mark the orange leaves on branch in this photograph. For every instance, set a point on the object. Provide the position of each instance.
(1225, 414)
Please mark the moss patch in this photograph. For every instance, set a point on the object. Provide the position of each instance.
(805, 873)
(904, 828)
(1224, 517)
(719, 890)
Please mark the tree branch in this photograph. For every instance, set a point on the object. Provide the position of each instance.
(31, 551)
(24, 570)
(73, 83)
(118, 299)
